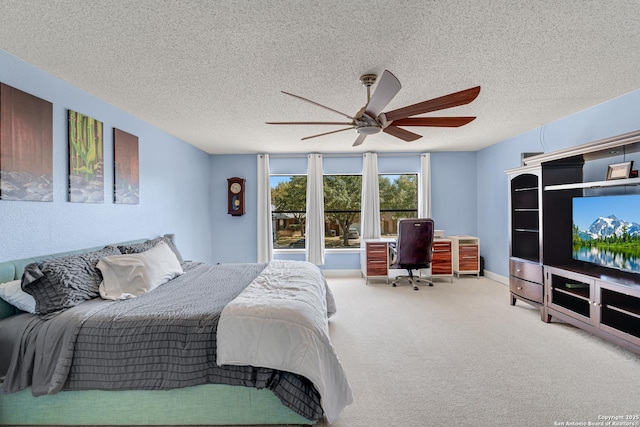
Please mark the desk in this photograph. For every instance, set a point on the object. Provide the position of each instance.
(374, 259)
(466, 255)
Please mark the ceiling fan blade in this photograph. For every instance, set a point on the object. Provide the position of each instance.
(448, 101)
(310, 123)
(445, 122)
(403, 134)
(319, 105)
(327, 133)
(388, 86)
(359, 140)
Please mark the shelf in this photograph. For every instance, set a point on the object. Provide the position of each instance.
(623, 311)
(594, 184)
(621, 323)
(526, 189)
(582, 293)
(526, 230)
(626, 304)
(571, 302)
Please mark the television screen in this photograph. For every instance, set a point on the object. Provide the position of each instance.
(606, 231)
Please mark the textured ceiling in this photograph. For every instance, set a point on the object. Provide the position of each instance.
(211, 72)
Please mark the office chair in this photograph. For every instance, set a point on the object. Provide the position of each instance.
(413, 249)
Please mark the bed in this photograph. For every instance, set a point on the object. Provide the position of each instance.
(224, 344)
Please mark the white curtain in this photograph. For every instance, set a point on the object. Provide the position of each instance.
(370, 211)
(424, 189)
(314, 247)
(265, 226)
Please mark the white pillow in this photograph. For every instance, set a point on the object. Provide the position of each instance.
(132, 275)
(12, 293)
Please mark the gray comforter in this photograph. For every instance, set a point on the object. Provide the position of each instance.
(164, 339)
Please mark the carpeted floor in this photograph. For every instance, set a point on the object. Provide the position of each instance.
(457, 354)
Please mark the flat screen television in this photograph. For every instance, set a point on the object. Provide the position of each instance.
(606, 231)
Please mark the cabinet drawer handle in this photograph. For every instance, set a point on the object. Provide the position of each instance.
(519, 288)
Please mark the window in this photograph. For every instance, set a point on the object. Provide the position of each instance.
(288, 210)
(342, 195)
(398, 199)
(342, 208)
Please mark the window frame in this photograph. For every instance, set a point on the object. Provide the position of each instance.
(394, 223)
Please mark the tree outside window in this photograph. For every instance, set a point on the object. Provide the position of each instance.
(288, 210)
(342, 208)
(342, 194)
(398, 199)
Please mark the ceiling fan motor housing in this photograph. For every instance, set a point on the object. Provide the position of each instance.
(368, 80)
(366, 125)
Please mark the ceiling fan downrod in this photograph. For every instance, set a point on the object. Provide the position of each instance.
(367, 81)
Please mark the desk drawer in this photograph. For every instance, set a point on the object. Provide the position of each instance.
(529, 290)
(376, 251)
(469, 259)
(441, 258)
(441, 247)
(377, 268)
(377, 258)
(525, 270)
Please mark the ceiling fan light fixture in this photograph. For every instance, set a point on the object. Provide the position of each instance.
(368, 130)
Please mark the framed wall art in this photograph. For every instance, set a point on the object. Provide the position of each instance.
(126, 188)
(86, 159)
(619, 170)
(26, 146)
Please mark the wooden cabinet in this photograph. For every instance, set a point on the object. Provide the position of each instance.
(525, 237)
(602, 298)
(603, 305)
(375, 259)
(465, 252)
(441, 262)
(526, 282)
(618, 310)
(525, 225)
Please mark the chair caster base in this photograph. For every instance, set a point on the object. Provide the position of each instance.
(415, 288)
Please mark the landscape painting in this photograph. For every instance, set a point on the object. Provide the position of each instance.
(86, 164)
(26, 146)
(606, 231)
(126, 168)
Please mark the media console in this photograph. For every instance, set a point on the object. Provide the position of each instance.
(542, 272)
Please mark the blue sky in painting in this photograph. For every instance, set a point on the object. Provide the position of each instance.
(588, 209)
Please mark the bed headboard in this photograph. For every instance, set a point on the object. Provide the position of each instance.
(12, 270)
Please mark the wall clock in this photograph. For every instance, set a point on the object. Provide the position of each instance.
(235, 196)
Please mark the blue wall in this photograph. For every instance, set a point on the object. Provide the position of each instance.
(234, 239)
(174, 183)
(617, 116)
(183, 190)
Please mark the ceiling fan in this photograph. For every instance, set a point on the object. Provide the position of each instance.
(371, 120)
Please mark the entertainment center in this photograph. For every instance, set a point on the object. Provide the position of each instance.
(589, 278)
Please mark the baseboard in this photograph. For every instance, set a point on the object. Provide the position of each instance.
(496, 277)
(342, 273)
(358, 273)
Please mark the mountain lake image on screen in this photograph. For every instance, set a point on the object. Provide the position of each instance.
(606, 231)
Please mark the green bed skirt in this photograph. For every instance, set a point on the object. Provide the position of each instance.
(210, 404)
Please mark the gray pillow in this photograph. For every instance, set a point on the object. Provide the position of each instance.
(61, 283)
(137, 248)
